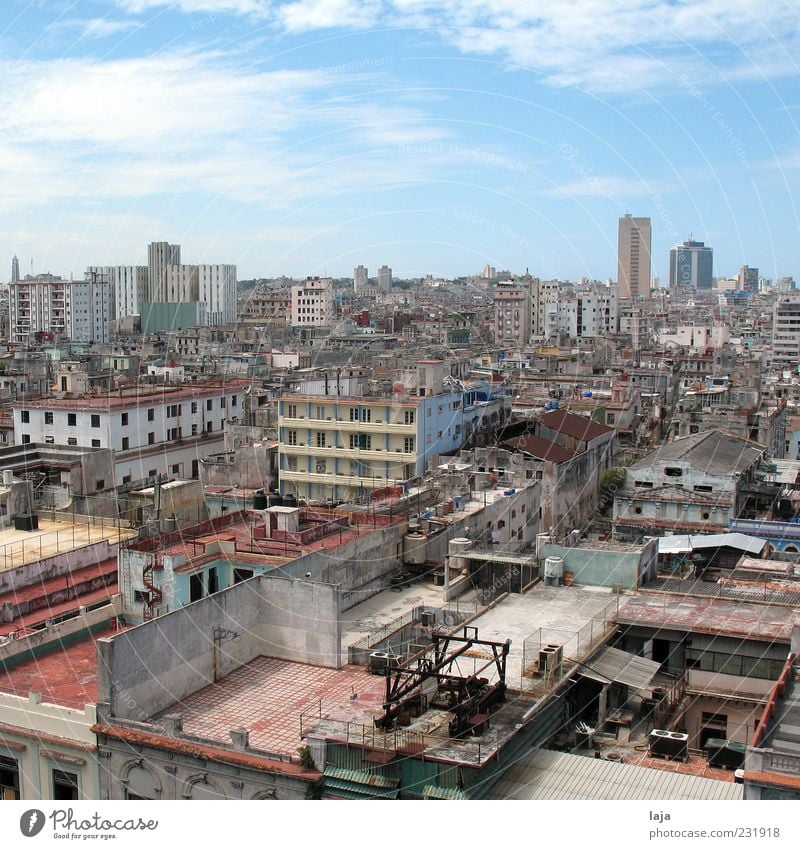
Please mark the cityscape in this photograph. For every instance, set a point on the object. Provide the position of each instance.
(363, 500)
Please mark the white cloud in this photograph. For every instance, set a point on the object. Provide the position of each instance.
(599, 45)
(179, 123)
(606, 186)
(104, 27)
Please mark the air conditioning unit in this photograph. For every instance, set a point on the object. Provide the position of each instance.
(551, 659)
(669, 744)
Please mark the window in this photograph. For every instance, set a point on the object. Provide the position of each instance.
(72, 419)
(408, 445)
(240, 575)
(49, 440)
(213, 580)
(25, 416)
(611, 418)
(126, 479)
(361, 440)
(673, 472)
(65, 785)
(95, 421)
(320, 440)
(141, 596)
(126, 443)
(222, 402)
(152, 473)
(151, 415)
(72, 440)
(209, 427)
(26, 438)
(703, 488)
(151, 438)
(9, 779)
(322, 467)
(194, 406)
(176, 469)
(48, 418)
(291, 411)
(409, 416)
(194, 430)
(209, 404)
(234, 400)
(124, 419)
(101, 484)
(291, 464)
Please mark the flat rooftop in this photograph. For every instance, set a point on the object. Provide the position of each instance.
(64, 675)
(767, 622)
(567, 616)
(20, 547)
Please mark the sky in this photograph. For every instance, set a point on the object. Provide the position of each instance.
(305, 137)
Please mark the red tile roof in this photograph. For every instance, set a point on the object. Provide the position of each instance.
(538, 447)
(570, 424)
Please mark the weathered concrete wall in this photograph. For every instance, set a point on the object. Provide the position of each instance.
(58, 564)
(146, 669)
(597, 568)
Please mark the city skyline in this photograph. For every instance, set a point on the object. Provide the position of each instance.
(308, 138)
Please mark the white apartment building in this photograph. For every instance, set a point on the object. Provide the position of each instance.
(79, 310)
(217, 290)
(786, 331)
(128, 287)
(384, 278)
(159, 256)
(342, 446)
(163, 431)
(589, 314)
(312, 303)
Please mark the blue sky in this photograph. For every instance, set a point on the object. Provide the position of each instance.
(436, 137)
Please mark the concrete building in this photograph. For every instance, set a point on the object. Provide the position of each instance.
(360, 279)
(14, 269)
(512, 315)
(691, 264)
(748, 279)
(633, 257)
(312, 303)
(338, 442)
(72, 309)
(786, 331)
(694, 484)
(129, 286)
(164, 430)
(384, 278)
(160, 255)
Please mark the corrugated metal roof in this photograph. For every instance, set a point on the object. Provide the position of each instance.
(617, 665)
(432, 791)
(354, 784)
(682, 543)
(561, 775)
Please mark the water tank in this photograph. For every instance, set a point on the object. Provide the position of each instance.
(260, 500)
(290, 501)
(378, 662)
(588, 393)
(276, 500)
(415, 548)
(553, 570)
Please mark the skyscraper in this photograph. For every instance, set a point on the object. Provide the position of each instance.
(384, 278)
(159, 256)
(360, 279)
(691, 264)
(15, 269)
(633, 256)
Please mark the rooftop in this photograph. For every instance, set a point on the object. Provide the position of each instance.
(65, 675)
(570, 424)
(20, 547)
(540, 448)
(709, 615)
(714, 452)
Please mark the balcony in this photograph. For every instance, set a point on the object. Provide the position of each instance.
(332, 424)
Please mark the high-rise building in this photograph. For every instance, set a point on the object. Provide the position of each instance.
(79, 310)
(128, 287)
(360, 279)
(159, 256)
(15, 269)
(384, 278)
(786, 330)
(748, 279)
(512, 315)
(691, 264)
(633, 256)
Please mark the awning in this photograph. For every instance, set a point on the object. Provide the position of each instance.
(620, 666)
